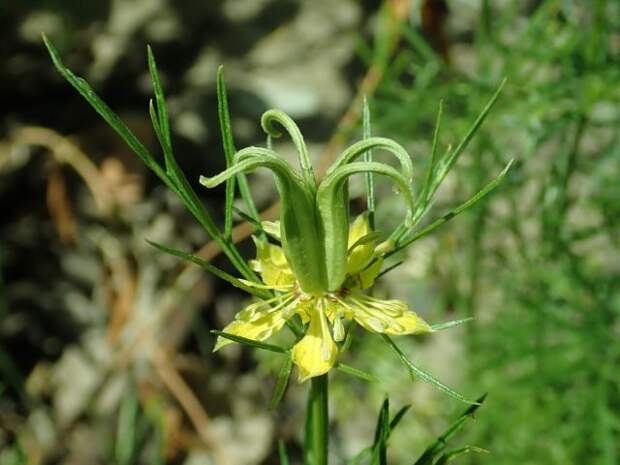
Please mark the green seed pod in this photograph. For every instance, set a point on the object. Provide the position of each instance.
(301, 239)
(314, 221)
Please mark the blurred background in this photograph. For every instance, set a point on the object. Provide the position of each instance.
(105, 349)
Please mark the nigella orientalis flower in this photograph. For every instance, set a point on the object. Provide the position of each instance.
(324, 266)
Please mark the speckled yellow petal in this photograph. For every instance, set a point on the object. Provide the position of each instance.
(316, 353)
(258, 328)
(386, 316)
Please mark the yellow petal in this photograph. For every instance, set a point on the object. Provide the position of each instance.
(316, 353)
(359, 228)
(272, 228)
(360, 255)
(365, 278)
(258, 328)
(272, 265)
(386, 316)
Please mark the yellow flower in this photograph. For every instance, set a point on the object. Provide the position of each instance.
(317, 351)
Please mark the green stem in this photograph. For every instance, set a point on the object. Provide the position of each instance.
(316, 427)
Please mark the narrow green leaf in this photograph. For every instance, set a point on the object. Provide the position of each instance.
(423, 375)
(390, 268)
(125, 446)
(426, 194)
(210, 268)
(159, 98)
(429, 455)
(456, 211)
(258, 226)
(106, 113)
(250, 342)
(398, 417)
(281, 383)
(448, 456)
(229, 149)
(229, 152)
(450, 324)
(172, 168)
(382, 433)
(370, 187)
(284, 460)
(451, 158)
(357, 373)
(348, 338)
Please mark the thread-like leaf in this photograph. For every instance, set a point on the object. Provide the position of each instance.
(106, 113)
(281, 383)
(349, 370)
(210, 268)
(454, 212)
(159, 98)
(282, 453)
(450, 324)
(429, 456)
(423, 375)
(125, 446)
(229, 149)
(250, 342)
(370, 186)
(451, 158)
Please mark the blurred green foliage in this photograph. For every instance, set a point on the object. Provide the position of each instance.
(537, 265)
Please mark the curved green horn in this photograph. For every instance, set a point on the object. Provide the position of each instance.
(332, 205)
(359, 148)
(277, 116)
(249, 159)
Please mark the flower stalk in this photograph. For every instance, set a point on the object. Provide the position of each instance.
(317, 447)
